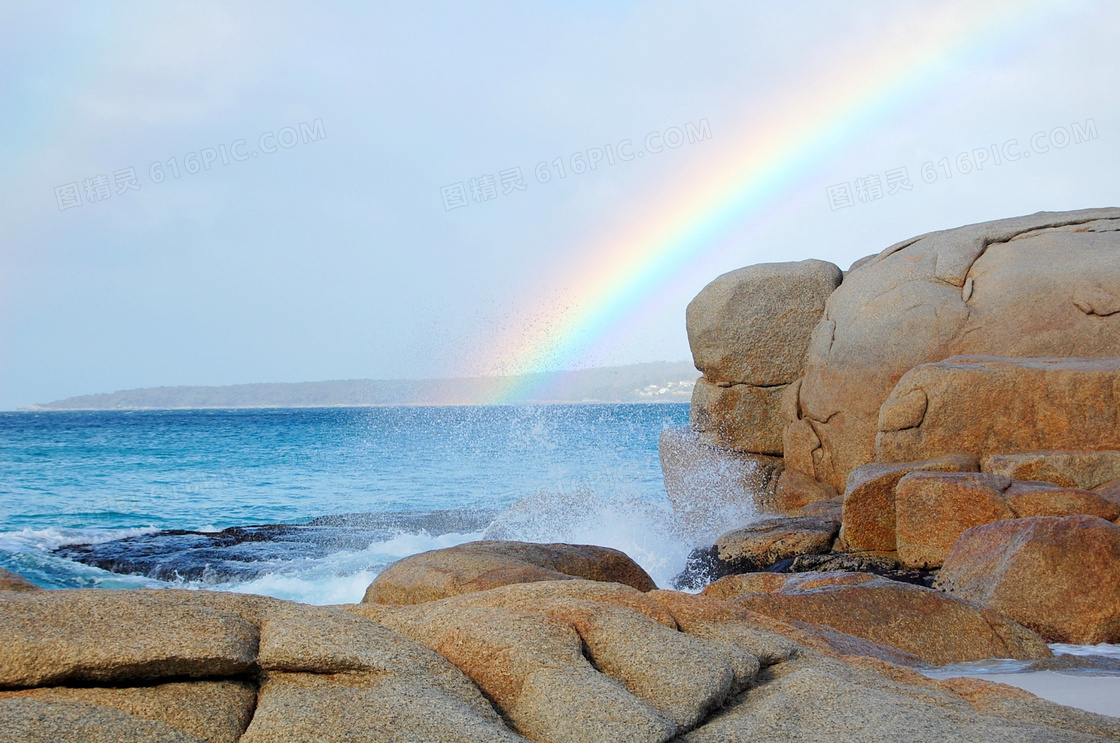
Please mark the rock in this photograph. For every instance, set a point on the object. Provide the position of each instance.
(937, 628)
(989, 405)
(29, 720)
(993, 288)
(740, 417)
(869, 505)
(763, 543)
(118, 637)
(751, 326)
(710, 487)
(885, 565)
(358, 707)
(794, 491)
(819, 699)
(1110, 491)
(730, 586)
(934, 508)
(478, 566)
(825, 509)
(214, 711)
(1070, 469)
(1028, 499)
(1058, 576)
(10, 581)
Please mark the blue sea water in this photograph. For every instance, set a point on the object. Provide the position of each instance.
(82, 491)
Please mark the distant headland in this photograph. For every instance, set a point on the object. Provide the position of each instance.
(659, 381)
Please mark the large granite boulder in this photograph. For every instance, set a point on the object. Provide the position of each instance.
(478, 566)
(1044, 285)
(1071, 469)
(116, 637)
(748, 331)
(1058, 576)
(869, 500)
(928, 624)
(767, 541)
(993, 405)
(215, 711)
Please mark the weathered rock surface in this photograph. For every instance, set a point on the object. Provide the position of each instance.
(869, 501)
(993, 405)
(29, 720)
(730, 586)
(820, 700)
(751, 326)
(991, 288)
(360, 707)
(1071, 469)
(478, 566)
(10, 581)
(215, 711)
(61, 636)
(740, 417)
(796, 490)
(710, 487)
(1058, 576)
(934, 508)
(926, 623)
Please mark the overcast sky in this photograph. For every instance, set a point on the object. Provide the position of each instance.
(314, 229)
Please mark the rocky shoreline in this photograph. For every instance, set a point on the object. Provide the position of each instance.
(931, 437)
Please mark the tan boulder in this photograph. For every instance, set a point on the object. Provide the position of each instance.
(730, 586)
(30, 720)
(765, 542)
(740, 417)
(1110, 491)
(1070, 469)
(10, 581)
(479, 566)
(1028, 499)
(117, 637)
(359, 707)
(869, 501)
(825, 509)
(708, 486)
(988, 405)
(926, 623)
(990, 288)
(214, 711)
(796, 490)
(1058, 576)
(934, 508)
(752, 325)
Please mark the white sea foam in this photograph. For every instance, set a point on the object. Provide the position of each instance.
(47, 540)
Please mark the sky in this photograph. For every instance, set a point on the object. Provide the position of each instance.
(207, 193)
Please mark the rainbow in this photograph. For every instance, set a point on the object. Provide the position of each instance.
(640, 261)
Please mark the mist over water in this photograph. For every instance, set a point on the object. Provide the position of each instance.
(89, 490)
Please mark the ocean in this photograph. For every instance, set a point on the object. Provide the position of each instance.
(310, 504)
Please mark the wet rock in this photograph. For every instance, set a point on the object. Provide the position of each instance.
(709, 486)
(478, 566)
(1058, 576)
(10, 581)
(765, 542)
